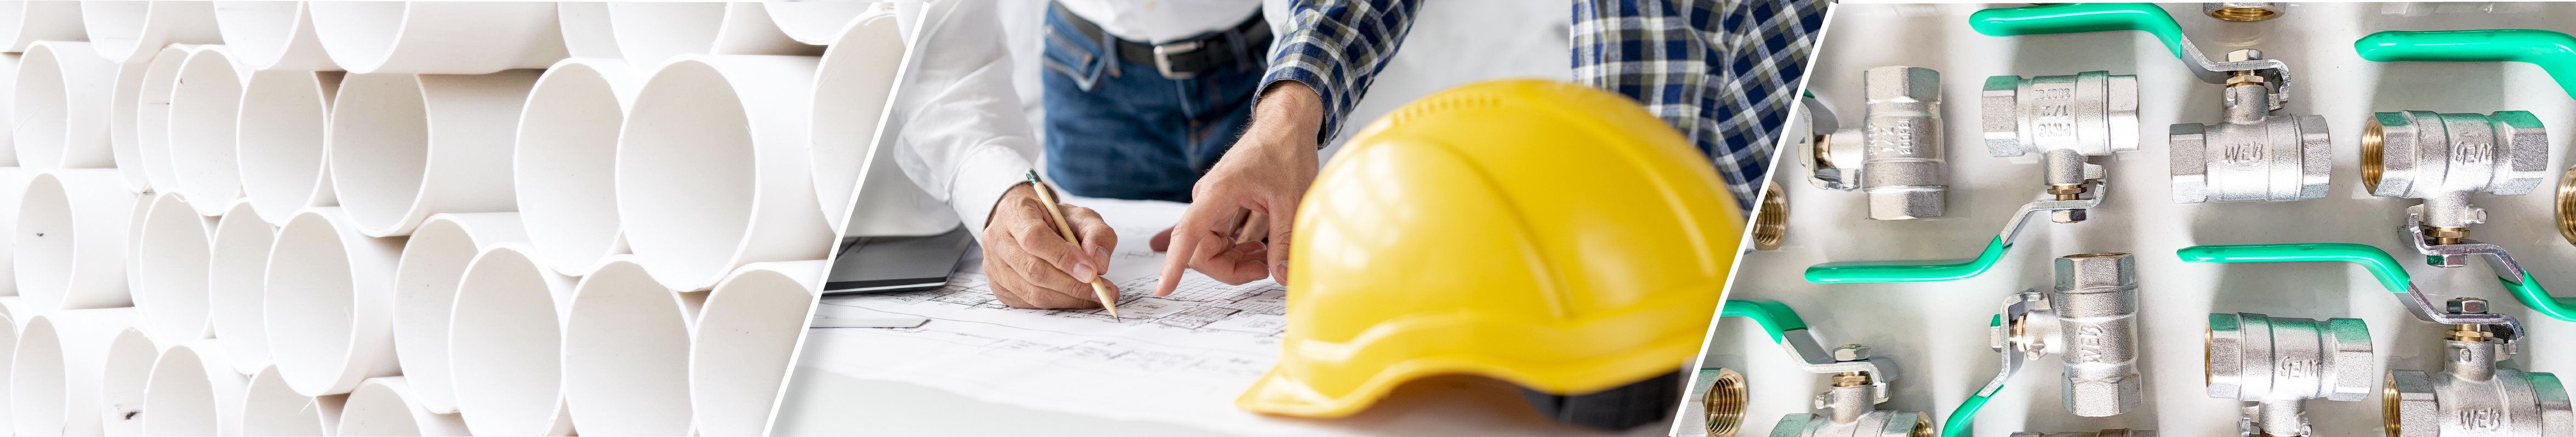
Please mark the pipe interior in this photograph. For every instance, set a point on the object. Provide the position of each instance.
(204, 108)
(44, 239)
(8, 360)
(115, 26)
(120, 394)
(749, 327)
(39, 114)
(688, 144)
(814, 22)
(308, 305)
(850, 90)
(152, 117)
(359, 35)
(180, 396)
(237, 265)
(507, 346)
(269, 407)
(281, 151)
(257, 29)
(649, 33)
(13, 20)
(626, 355)
(565, 168)
(376, 409)
(36, 386)
(433, 264)
(173, 261)
(384, 131)
(586, 29)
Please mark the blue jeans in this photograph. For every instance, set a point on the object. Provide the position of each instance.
(1119, 130)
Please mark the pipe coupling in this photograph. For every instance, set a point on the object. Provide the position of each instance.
(2102, 433)
(2066, 119)
(2096, 306)
(2443, 158)
(2279, 363)
(2252, 154)
(1896, 152)
(2471, 396)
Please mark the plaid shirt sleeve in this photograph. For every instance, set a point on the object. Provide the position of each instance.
(1724, 72)
(1337, 47)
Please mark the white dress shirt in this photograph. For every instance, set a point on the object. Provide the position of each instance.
(1156, 21)
(965, 140)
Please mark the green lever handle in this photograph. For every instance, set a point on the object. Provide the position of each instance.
(1775, 317)
(2390, 274)
(2554, 52)
(2079, 18)
(2531, 295)
(1876, 271)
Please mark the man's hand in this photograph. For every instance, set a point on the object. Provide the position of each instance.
(1030, 264)
(1260, 178)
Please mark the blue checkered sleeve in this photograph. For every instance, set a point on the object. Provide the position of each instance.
(1724, 72)
(1337, 47)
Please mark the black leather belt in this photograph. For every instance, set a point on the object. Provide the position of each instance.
(1245, 45)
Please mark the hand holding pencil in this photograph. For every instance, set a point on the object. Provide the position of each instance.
(1040, 253)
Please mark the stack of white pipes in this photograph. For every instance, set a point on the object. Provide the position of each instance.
(422, 218)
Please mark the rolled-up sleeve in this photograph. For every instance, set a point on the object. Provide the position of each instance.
(964, 139)
(1337, 47)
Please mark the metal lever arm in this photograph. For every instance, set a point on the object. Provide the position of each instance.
(2554, 52)
(2391, 276)
(1790, 332)
(1950, 270)
(2143, 17)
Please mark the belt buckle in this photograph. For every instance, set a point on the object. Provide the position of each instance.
(1163, 57)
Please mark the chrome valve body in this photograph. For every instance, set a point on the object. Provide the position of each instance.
(2280, 363)
(2065, 119)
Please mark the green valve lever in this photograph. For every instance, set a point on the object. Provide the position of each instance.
(2393, 276)
(1950, 270)
(2554, 52)
(2143, 17)
(1776, 318)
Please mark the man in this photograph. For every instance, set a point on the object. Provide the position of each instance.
(1721, 71)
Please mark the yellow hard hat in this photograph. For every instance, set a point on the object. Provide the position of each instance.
(1539, 232)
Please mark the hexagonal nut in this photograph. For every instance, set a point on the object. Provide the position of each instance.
(2104, 397)
(1998, 109)
(2096, 272)
(2316, 157)
(2120, 110)
(2409, 405)
(2352, 364)
(2226, 355)
(2068, 216)
(2242, 55)
(2466, 305)
(1897, 82)
(2525, 145)
(2399, 141)
(2187, 155)
(1851, 352)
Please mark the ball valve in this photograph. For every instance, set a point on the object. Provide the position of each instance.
(2103, 433)
(2473, 397)
(2279, 363)
(2442, 158)
(1895, 155)
(2089, 321)
(1860, 381)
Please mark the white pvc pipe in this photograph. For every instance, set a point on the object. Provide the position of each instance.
(270, 408)
(130, 31)
(329, 303)
(850, 89)
(124, 149)
(137, 216)
(13, 184)
(61, 107)
(389, 406)
(712, 168)
(817, 23)
(237, 268)
(586, 30)
(9, 327)
(566, 161)
(651, 33)
(71, 240)
(438, 37)
(746, 340)
(54, 375)
(505, 345)
(283, 151)
(193, 392)
(8, 73)
(170, 286)
(152, 115)
(205, 107)
(22, 23)
(425, 284)
(272, 35)
(626, 354)
(406, 146)
(120, 385)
